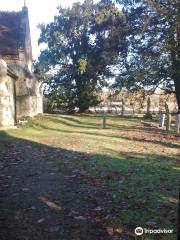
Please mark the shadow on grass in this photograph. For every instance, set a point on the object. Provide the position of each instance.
(146, 127)
(80, 124)
(70, 124)
(141, 138)
(94, 192)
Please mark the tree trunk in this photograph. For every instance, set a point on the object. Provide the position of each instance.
(177, 91)
(83, 102)
(175, 58)
(148, 105)
(176, 64)
(82, 110)
(168, 117)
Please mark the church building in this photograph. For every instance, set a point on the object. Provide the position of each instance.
(20, 93)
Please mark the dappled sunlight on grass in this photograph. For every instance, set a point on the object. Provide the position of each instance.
(170, 199)
(85, 133)
(176, 168)
(128, 169)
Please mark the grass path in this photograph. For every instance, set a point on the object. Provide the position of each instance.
(64, 178)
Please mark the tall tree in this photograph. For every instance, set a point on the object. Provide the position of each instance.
(154, 45)
(83, 42)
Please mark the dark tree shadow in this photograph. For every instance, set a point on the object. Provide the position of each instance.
(34, 175)
(78, 124)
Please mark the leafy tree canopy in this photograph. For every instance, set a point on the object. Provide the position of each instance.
(153, 45)
(83, 43)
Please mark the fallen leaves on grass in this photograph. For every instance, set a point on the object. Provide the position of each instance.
(76, 215)
(72, 213)
(70, 176)
(110, 231)
(98, 209)
(50, 204)
(77, 156)
(54, 229)
(120, 231)
(25, 189)
(80, 218)
(151, 223)
(41, 220)
(151, 162)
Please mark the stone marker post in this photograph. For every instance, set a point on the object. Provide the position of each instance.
(104, 122)
(148, 106)
(123, 107)
(161, 119)
(177, 123)
(168, 118)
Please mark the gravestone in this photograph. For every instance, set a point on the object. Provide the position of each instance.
(104, 122)
(168, 117)
(161, 119)
(177, 123)
(123, 107)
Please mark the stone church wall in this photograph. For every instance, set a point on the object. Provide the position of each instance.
(7, 104)
(19, 89)
(28, 96)
(28, 106)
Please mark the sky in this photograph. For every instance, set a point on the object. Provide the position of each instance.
(40, 11)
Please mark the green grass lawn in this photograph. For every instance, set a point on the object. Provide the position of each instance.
(129, 172)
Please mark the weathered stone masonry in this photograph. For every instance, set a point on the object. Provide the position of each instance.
(19, 89)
